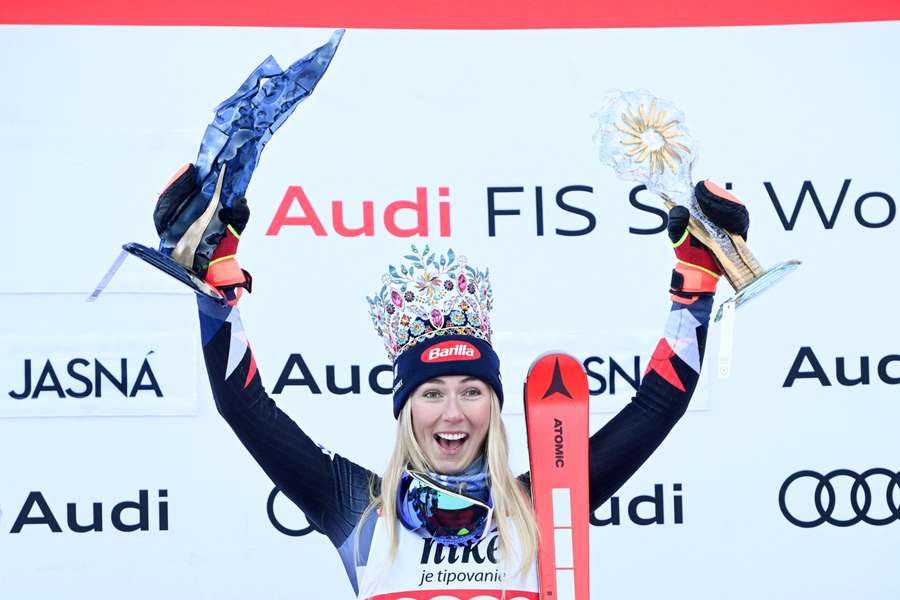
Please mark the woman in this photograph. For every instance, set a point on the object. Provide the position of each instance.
(447, 514)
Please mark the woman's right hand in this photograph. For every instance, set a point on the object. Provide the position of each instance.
(215, 261)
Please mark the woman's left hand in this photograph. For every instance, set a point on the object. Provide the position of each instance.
(697, 272)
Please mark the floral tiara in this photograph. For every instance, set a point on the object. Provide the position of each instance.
(431, 295)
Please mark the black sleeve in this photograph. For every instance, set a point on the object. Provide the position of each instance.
(332, 491)
(621, 446)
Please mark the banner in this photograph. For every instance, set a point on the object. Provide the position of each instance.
(130, 483)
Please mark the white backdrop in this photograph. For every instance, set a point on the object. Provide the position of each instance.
(97, 119)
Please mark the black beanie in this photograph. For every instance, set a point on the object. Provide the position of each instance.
(444, 355)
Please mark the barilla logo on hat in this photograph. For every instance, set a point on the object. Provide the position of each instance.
(449, 351)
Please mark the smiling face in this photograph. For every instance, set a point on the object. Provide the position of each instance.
(450, 419)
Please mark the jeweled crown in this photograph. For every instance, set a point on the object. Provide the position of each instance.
(431, 295)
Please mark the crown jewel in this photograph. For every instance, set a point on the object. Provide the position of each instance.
(431, 295)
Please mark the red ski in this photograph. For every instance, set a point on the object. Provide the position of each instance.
(556, 414)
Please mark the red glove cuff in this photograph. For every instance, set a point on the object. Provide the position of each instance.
(224, 272)
(696, 274)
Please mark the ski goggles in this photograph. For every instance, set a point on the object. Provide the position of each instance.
(451, 518)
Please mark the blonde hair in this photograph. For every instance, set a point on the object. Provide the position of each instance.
(512, 503)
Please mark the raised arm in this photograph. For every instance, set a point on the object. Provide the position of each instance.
(332, 491)
(629, 438)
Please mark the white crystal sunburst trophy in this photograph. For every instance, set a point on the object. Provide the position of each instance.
(645, 139)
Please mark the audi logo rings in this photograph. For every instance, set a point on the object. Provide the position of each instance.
(825, 497)
(270, 509)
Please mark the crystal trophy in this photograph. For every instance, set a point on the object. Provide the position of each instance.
(229, 153)
(645, 139)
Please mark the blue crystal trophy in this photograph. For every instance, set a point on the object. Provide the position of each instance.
(229, 153)
(645, 139)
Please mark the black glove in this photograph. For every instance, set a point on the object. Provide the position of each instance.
(697, 272)
(178, 209)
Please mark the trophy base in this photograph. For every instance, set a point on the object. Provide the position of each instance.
(760, 284)
(173, 269)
